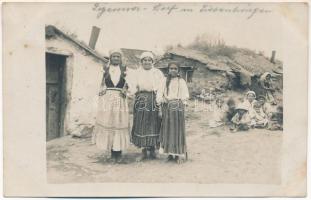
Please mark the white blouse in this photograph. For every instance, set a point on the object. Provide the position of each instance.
(146, 80)
(115, 73)
(178, 89)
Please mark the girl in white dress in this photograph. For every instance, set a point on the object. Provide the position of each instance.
(173, 133)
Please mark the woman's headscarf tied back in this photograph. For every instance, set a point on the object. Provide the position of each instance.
(264, 76)
(112, 51)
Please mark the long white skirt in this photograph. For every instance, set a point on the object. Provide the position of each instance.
(112, 123)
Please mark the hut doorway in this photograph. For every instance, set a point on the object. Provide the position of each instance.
(55, 95)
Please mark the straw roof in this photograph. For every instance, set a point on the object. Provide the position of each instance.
(51, 31)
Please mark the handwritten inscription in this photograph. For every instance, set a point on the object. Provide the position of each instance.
(163, 8)
(103, 9)
(250, 11)
(169, 9)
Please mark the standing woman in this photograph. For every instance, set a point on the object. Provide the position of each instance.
(172, 134)
(146, 119)
(111, 133)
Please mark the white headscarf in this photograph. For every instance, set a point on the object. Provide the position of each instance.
(147, 54)
(250, 92)
(112, 51)
(264, 75)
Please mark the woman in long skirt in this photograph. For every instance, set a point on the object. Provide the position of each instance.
(173, 134)
(111, 133)
(146, 119)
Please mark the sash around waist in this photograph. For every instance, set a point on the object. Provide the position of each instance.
(116, 89)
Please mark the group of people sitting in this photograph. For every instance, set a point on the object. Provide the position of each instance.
(253, 112)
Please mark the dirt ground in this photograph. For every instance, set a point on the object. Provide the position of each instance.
(215, 156)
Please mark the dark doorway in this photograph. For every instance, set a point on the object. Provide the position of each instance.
(55, 95)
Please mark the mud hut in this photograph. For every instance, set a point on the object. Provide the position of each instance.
(73, 77)
(256, 65)
(199, 71)
(238, 72)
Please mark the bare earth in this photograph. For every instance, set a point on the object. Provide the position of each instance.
(215, 156)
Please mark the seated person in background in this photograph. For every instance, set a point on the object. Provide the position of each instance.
(267, 108)
(260, 119)
(276, 119)
(219, 113)
(242, 120)
(274, 114)
(250, 98)
(231, 109)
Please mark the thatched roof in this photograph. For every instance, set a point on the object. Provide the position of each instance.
(197, 56)
(245, 62)
(257, 64)
(51, 31)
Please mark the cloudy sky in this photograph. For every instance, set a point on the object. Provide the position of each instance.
(154, 30)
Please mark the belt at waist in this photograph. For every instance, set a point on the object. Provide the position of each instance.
(116, 89)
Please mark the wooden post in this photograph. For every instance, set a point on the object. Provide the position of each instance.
(273, 56)
(94, 36)
(186, 76)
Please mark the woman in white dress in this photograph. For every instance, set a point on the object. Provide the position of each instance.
(111, 133)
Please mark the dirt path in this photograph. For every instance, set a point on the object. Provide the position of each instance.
(215, 156)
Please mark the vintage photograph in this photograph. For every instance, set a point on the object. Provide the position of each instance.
(161, 93)
(155, 99)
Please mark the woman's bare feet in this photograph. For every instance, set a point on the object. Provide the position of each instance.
(179, 160)
(143, 156)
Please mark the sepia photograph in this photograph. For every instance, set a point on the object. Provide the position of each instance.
(169, 100)
(155, 99)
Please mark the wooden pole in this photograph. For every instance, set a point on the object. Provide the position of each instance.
(273, 57)
(94, 36)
